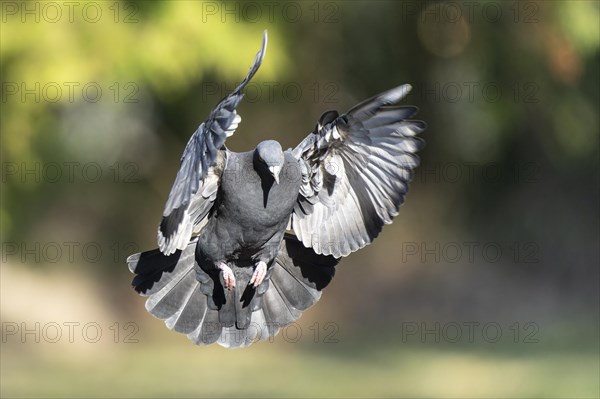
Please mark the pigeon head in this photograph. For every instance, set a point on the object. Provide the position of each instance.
(268, 156)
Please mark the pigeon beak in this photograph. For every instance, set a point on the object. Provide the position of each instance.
(275, 172)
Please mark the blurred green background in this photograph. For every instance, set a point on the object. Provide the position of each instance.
(486, 285)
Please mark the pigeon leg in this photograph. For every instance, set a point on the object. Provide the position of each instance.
(228, 277)
(260, 271)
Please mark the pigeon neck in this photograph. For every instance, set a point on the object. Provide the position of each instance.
(259, 166)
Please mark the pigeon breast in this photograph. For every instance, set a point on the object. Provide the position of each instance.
(252, 212)
(254, 200)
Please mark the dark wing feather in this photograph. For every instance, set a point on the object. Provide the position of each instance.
(355, 173)
(195, 187)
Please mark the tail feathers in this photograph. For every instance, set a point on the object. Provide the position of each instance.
(187, 318)
(194, 303)
(154, 270)
(173, 296)
(209, 330)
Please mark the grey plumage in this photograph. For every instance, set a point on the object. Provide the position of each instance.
(226, 271)
(201, 164)
(192, 302)
(356, 173)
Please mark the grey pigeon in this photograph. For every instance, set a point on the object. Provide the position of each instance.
(228, 268)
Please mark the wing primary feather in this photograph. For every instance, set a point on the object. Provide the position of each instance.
(199, 155)
(376, 144)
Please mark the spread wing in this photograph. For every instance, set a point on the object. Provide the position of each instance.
(355, 173)
(195, 188)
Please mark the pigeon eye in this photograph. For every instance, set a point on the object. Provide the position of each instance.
(261, 159)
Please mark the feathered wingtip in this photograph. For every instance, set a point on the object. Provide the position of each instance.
(258, 59)
(263, 49)
(372, 104)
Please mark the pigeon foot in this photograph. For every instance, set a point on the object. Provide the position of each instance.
(260, 271)
(228, 277)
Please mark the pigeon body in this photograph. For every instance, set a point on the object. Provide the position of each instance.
(252, 211)
(228, 269)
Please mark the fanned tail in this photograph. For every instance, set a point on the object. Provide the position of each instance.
(192, 302)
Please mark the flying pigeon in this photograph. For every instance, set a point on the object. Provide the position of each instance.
(248, 240)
